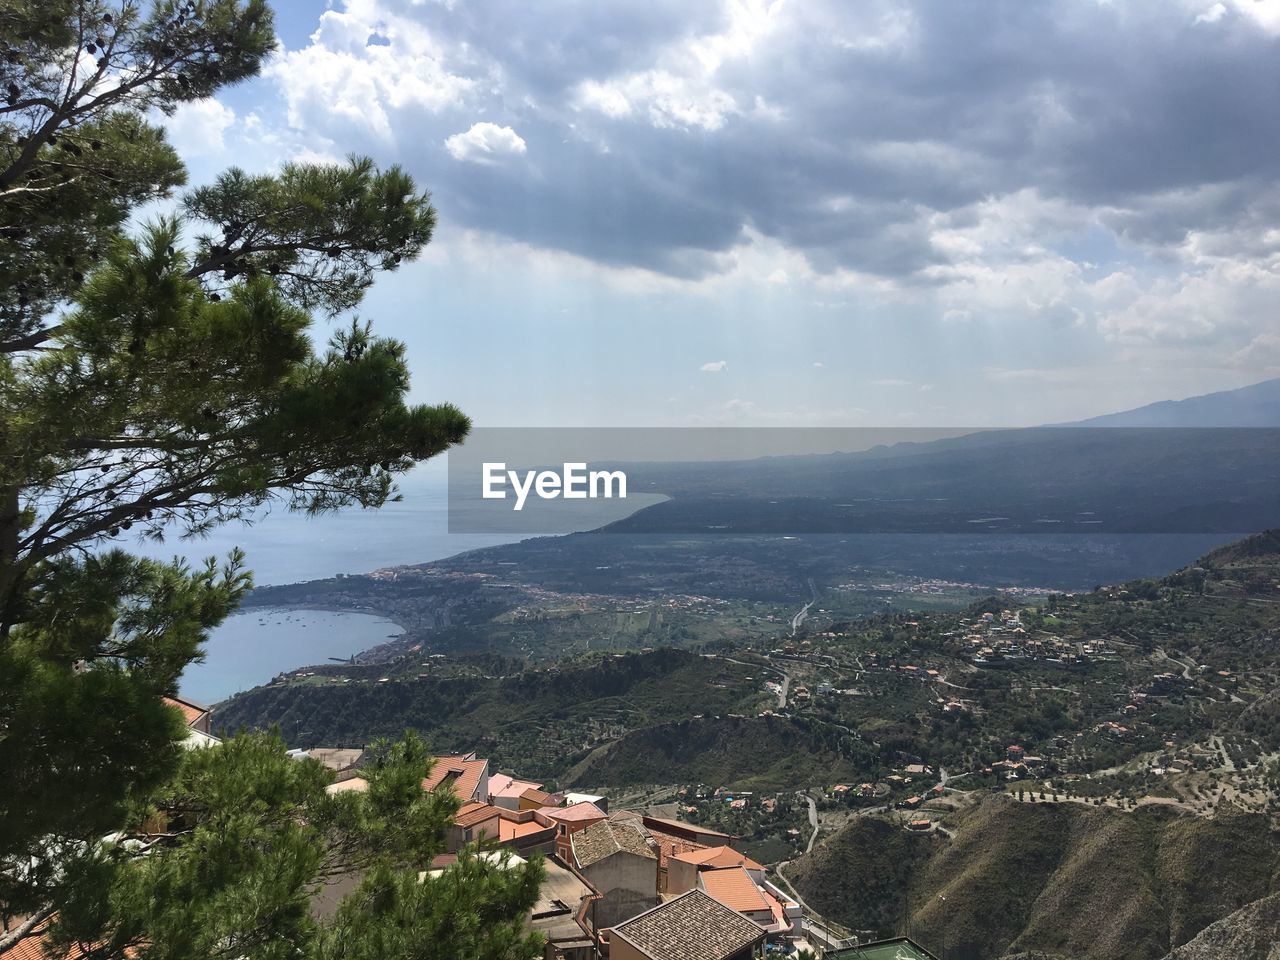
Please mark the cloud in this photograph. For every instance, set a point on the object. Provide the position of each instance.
(197, 128)
(714, 366)
(975, 166)
(485, 143)
(818, 364)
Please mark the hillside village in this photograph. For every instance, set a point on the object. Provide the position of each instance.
(620, 883)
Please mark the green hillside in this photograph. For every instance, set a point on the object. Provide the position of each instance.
(1065, 879)
(741, 752)
(539, 721)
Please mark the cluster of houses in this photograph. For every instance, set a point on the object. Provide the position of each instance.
(620, 884)
(1001, 640)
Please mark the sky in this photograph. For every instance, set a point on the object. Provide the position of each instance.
(663, 213)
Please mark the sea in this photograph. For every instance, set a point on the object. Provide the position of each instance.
(283, 547)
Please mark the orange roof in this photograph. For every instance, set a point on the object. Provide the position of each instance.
(509, 830)
(191, 713)
(461, 773)
(536, 796)
(577, 813)
(718, 857)
(32, 948)
(670, 845)
(733, 887)
(473, 813)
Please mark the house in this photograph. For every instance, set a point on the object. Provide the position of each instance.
(683, 868)
(505, 791)
(734, 887)
(473, 823)
(199, 722)
(620, 861)
(693, 926)
(467, 775)
(568, 821)
(689, 831)
(534, 799)
(571, 798)
(527, 832)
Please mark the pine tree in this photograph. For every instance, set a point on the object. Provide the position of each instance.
(146, 386)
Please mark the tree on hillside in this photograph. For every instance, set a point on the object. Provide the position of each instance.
(157, 380)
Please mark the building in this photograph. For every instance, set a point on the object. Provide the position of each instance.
(571, 798)
(505, 791)
(693, 926)
(535, 800)
(467, 775)
(568, 821)
(526, 832)
(620, 860)
(199, 722)
(734, 887)
(683, 868)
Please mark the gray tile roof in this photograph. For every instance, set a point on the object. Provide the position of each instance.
(603, 839)
(693, 926)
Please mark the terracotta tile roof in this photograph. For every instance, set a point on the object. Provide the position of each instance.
(604, 839)
(669, 845)
(693, 926)
(536, 796)
(463, 774)
(733, 887)
(32, 948)
(718, 857)
(471, 814)
(578, 813)
(191, 712)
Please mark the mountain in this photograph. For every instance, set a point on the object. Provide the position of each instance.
(1251, 933)
(1257, 405)
(1065, 879)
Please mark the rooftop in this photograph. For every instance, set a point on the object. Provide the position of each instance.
(577, 813)
(733, 887)
(604, 839)
(717, 857)
(462, 773)
(693, 926)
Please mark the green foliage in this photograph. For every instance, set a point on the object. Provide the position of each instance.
(224, 860)
(147, 389)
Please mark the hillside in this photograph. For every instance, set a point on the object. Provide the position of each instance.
(740, 752)
(1251, 933)
(536, 720)
(1065, 879)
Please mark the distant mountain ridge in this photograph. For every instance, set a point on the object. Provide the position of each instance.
(1257, 405)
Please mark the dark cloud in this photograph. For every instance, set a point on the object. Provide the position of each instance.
(846, 137)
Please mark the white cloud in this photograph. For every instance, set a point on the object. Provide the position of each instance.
(196, 129)
(714, 366)
(485, 143)
(818, 364)
(340, 78)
